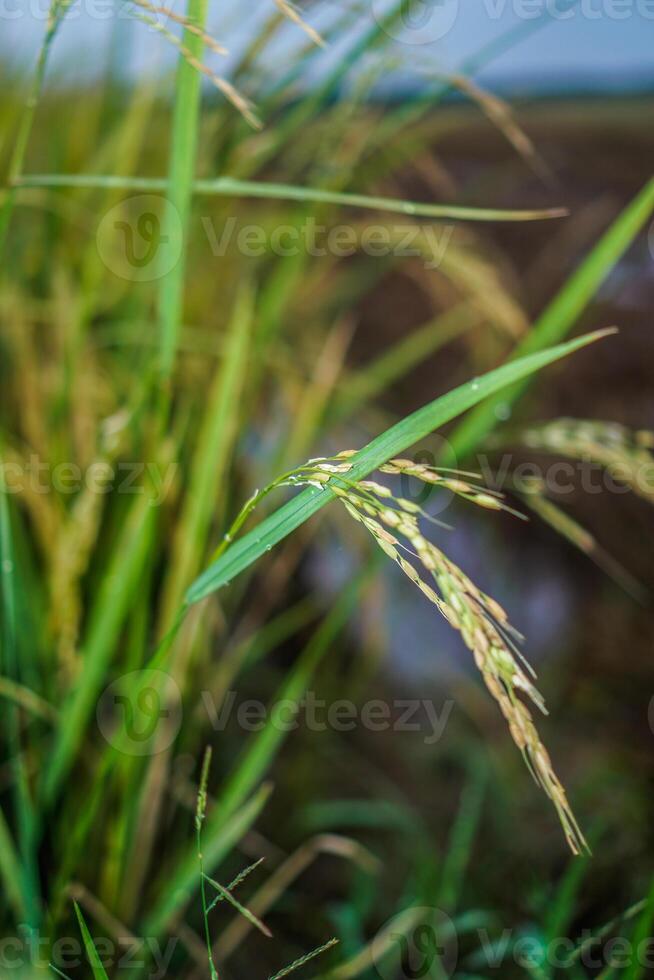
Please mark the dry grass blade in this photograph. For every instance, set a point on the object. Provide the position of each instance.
(500, 114)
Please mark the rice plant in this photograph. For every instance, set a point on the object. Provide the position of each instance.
(138, 412)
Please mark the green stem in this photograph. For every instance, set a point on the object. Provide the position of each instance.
(56, 14)
(181, 172)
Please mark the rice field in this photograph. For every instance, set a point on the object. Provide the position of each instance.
(285, 434)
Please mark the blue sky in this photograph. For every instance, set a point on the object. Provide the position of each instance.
(603, 44)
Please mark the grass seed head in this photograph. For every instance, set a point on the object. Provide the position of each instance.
(481, 621)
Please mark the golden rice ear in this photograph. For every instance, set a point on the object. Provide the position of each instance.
(290, 10)
(147, 13)
(482, 622)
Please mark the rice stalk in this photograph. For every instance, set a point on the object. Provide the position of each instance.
(232, 558)
(73, 548)
(625, 453)
(231, 93)
(56, 13)
(200, 813)
(394, 524)
(290, 10)
(187, 23)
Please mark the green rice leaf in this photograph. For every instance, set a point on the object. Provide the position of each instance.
(392, 442)
(97, 968)
(560, 316)
(179, 185)
(231, 187)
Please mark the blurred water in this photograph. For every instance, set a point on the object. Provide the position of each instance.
(597, 45)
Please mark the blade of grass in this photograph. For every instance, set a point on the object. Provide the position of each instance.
(462, 837)
(181, 171)
(115, 596)
(23, 804)
(235, 882)
(560, 316)
(211, 457)
(10, 870)
(257, 756)
(200, 813)
(231, 187)
(284, 876)
(56, 13)
(563, 903)
(394, 363)
(217, 843)
(641, 938)
(230, 807)
(603, 931)
(392, 442)
(249, 916)
(383, 942)
(97, 968)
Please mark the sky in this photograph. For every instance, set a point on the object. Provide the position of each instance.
(601, 45)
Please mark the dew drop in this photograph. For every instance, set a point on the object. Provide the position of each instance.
(503, 411)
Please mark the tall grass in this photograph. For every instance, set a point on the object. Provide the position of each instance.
(153, 583)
